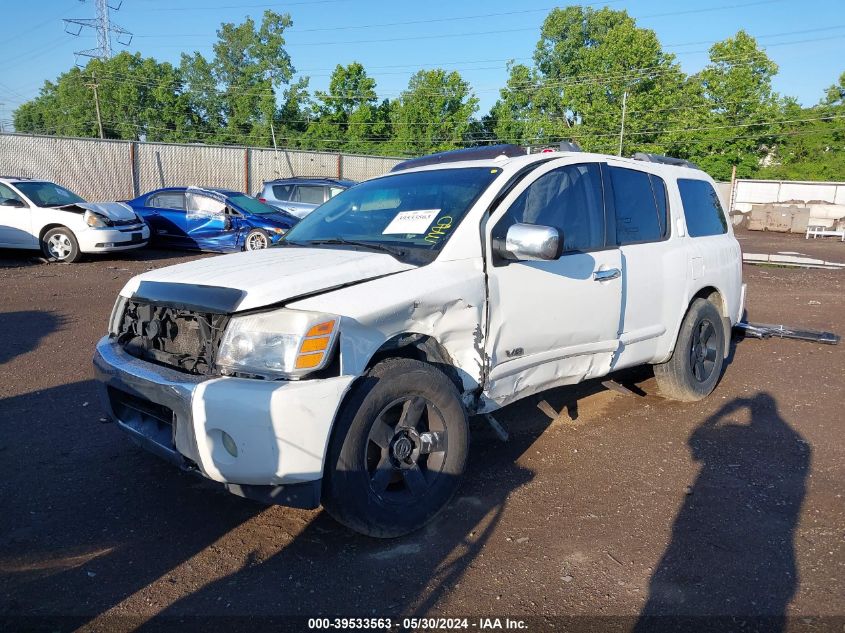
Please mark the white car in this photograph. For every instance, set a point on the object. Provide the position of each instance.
(341, 367)
(41, 215)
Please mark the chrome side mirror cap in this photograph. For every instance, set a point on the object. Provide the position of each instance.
(529, 242)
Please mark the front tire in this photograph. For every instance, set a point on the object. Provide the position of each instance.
(60, 245)
(696, 364)
(256, 240)
(398, 450)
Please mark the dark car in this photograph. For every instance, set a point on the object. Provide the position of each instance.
(211, 219)
(300, 196)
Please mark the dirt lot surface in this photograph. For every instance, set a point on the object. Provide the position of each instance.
(829, 248)
(620, 508)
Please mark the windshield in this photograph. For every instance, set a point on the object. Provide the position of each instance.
(251, 205)
(47, 194)
(416, 211)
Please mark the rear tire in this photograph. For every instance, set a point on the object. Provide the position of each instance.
(398, 450)
(60, 245)
(696, 364)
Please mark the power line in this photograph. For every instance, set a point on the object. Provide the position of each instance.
(478, 16)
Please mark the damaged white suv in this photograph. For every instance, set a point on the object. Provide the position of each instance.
(41, 215)
(340, 367)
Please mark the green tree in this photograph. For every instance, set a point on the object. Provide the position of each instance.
(249, 62)
(348, 116)
(139, 97)
(433, 114)
(584, 64)
(812, 146)
(741, 109)
(835, 95)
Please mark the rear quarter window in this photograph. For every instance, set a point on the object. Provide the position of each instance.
(702, 209)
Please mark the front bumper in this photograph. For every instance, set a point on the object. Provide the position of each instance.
(281, 429)
(113, 239)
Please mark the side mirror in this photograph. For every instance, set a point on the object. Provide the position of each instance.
(529, 242)
(12, 202)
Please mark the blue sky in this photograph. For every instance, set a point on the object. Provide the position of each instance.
(393, 39)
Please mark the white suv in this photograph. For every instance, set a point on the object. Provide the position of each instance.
(38, 214)
(341, 367)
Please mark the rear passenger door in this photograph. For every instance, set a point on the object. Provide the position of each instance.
(653, 267)
(553, 322)
(165, 213)
(714, 251)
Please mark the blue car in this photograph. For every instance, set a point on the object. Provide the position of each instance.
(211, 219)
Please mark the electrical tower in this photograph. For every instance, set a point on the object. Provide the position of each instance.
(104, 27)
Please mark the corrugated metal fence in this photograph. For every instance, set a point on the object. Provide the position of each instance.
(113, 170)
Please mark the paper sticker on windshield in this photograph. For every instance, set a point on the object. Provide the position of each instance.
(413, 222)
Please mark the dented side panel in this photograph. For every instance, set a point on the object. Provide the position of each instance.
(444, 300)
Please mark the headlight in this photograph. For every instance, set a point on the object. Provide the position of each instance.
(116, 318)
(95, 220)
(279, 344)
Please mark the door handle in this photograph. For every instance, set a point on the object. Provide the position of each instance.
(607, 275)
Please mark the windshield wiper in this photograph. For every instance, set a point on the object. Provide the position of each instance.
(396, 252)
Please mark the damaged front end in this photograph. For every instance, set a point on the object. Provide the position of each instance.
(182, 339)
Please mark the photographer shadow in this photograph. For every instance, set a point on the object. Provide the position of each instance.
(731, 559)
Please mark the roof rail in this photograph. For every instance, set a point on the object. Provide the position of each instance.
(664, 160)
(469, 153)
(562, 146)
(327, 178)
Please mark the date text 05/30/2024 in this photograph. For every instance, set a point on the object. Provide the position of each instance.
(413, 624)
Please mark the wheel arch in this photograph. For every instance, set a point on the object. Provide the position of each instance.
(422, 347)
(715, 296)
(49, 227)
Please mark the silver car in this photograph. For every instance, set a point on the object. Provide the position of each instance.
(300, 196)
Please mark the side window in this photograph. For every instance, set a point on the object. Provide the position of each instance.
(637, 212)
(200, 206)
(282, 192)
(171, 200)
(310, 194)
(333, 191)
(6, 194)
(702, 208)
(569, 198)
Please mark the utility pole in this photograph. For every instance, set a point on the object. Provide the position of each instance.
(104, 28)
(622, 130)
(95, 85)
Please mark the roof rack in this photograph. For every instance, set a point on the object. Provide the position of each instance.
(664, 160)
(469, 153)
(326, 178)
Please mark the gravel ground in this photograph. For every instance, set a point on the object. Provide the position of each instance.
(618, 509)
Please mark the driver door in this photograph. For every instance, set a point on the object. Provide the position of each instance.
(554, 322)
(209, 227)
(15, 220)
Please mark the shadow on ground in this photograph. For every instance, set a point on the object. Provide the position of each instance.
(22, 331)
(732, 553)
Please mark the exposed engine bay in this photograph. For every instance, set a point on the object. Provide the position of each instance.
(182, 339)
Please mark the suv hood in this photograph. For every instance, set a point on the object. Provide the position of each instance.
(244, 281)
